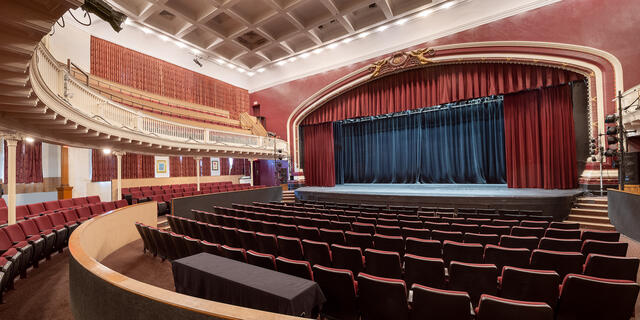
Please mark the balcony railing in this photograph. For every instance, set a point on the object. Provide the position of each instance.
(86, 101)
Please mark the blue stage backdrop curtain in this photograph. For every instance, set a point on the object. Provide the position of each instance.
(454, 143)
(319, 168)
(540, 144)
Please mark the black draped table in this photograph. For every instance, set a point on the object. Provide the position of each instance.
(224, 280)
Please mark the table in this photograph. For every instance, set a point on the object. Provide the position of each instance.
(224, 280)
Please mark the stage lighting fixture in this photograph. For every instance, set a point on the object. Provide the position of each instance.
(611, 118)
(593, 152)
(612, 140)
(610, 153)
(197, 61)
(612, 130)
(594, 159)
(105, 12)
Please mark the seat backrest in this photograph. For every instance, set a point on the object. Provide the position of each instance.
(562, 233)
(347, 258)
(94, 210)
(463, 252)
(80, 201)
(433, 303)
(51, 205)
(565, 225)
(424, 248)
(528, 232)
(416, 233)
(238, 254)
(383, 263)
(21, 212)
(291, 248)
(473, 278)
(43, 222)
(611, 236)
(494, 308)
(442, 236)
(501, 256)
(332, 236)
(15, 233)
(297, 268)
(66, 203)
(108, 206)
(267, 243)
(57, 219)
(529, 242)
(267, 261)
(359, 239)
(36, 208)
(29, 227)
(5, 241)
(424, 271)
(530, 285)
(495, 229)
(338, 286)
(561, 262)
(382, 298)
(586, 297)
(534, 224)
(611, 267)
(483, 239)
(93, 199)
(389, 243)
(573, 245)
(317, 252)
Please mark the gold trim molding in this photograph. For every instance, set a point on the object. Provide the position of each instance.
(402, 60)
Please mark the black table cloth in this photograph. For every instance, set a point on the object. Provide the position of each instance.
(224, 280)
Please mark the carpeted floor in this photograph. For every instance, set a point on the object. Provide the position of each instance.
(45, 293)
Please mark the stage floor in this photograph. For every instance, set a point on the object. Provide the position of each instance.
(440, 190)
(555, 203)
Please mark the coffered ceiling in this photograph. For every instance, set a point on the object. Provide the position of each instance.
(255, 33)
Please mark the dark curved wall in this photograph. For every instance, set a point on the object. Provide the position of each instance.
(624, 213)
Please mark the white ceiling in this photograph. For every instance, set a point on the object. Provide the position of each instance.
(286, 40)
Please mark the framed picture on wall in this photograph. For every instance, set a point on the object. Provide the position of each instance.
(161, 166)
(214, 165)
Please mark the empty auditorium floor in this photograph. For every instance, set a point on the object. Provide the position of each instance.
(45, 293)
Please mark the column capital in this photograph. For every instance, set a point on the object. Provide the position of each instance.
(198, 158)
(119, 153)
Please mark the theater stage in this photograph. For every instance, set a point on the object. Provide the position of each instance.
(555, 203)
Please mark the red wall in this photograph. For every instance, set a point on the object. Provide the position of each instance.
(607, 25)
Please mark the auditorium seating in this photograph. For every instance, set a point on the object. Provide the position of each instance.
(168, 192)
(382, 298)
(297, 268)
(438, 304)
(612, 267)
(495, 308)
(340, 290)
(525, 276)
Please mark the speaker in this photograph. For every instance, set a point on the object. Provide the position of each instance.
(631, 168)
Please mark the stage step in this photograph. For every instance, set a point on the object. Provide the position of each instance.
(288, 196)
(592, 200)
(163, 223)
(593, 225)
(597, 206)
(589, 218)
(591, 213)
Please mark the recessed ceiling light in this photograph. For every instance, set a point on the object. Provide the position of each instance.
(196, 51)
(364, 34)
(281, 62)
(127, 21)
(163, 37)
(251, 73)
(220, 61)
(232, 67)
(425, 13)
(333, 45)
(146, 30)
(382, 28)
(447, 5)
(29, 139)
(402, 21)
(261, 70)
(241, 70)
(292, 59)
(305, 55)
(106, 151)
(347, 40)
(317, 51)
(180, 44)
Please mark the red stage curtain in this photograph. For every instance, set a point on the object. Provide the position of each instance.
(540, 139)
(224, 166)
(28, 162)
(319, 164)
(103, 166)
(175, 167)
(148, 167)
(188, 167)
(436, 85)
(205, 167)
(134, 69)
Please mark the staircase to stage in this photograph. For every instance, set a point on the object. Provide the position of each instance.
(591, 213)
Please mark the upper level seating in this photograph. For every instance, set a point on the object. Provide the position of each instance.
(41, 230)
(528, 284)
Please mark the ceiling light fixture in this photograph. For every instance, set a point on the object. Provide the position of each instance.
(364, 34)
(305, 55)
(401, 21)
(146, 30)
(127, 21)
(347, 40)
(261, 70)
(251, 73)
(180, 44)
(106, 151)
(317, 51)
(195, 51)
(448, 5)
(425, 13)
(333, 45)
(220, 61)
(163, 37)
(281, 62)
(292, 59)
(29, 139)
(382, 28)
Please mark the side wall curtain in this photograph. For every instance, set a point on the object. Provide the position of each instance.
(205, 167)
(224, 167)
(540, 139)
(103, 166)
(240, 167)
(446, 144)
(319, 168)
(28, 162)
(435, 85)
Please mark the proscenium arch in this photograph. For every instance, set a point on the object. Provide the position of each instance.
(602, 70)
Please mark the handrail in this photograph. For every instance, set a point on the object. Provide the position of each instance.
(85, 100)
(70, 63)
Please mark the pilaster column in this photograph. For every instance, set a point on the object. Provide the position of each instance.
(119, 155)
(64, 190)
(251, 162)
(198, 172)
(11, 178)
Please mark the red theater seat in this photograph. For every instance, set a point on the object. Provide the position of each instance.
(66, 203)
(121, 203)
(611, 267)
(424, 271)
(530, 242)
(585, 297)
(573, 245)
(30, 229)
(347, 258)
(267, 261)
(562, 262)
(291, 248)
(382, 298)
(611, 236)
(20, 254)
(80, 201)
(108, 206)
(530, 285)
(463, 252)
(562, 233)
(296, 268)
(494, 308)
(332, 236)
(267, 243)
(501, 256)
(424, 248)
(36, 209)
(309, 233)
(389, 243)
(476, 279)
(340, 289)
(22, 212)
(383, 263)
(527, 232)
(317, 252)
(93, 199)
(437, 304)
(19, 239)
(51, 205)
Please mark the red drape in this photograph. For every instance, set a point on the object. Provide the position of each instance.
(436, 85)
(240, 167)
(103, 166)
(205, 167)
(188, 167)
(28, 162)
(134, 69)
(175, 167)
(540, 139)
(137, 166)
(224, 166)
(319, 164)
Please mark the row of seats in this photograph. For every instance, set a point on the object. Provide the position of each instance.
(426, 216)
(41, 208)
(421, 271)
(26, 243)
(394, 238)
